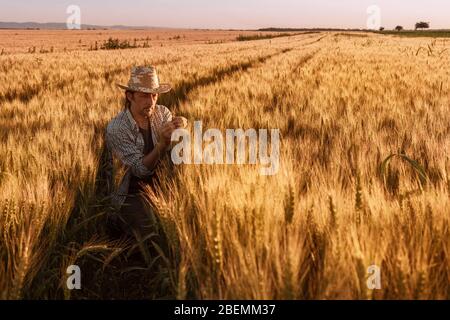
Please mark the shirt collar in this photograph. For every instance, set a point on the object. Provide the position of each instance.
(131, 120)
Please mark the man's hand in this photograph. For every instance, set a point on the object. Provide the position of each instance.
(180, 122)
(166, 133)
(168, 128)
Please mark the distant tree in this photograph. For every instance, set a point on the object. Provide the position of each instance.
(112, 44)
(381, 28)
(422, 25)
(398, 28)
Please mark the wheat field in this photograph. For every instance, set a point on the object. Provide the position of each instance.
(344, 103)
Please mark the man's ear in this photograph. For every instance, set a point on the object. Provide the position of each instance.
(130, 95)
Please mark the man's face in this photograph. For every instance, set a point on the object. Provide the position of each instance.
(143, 103)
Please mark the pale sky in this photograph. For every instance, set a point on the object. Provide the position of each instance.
(233, 14)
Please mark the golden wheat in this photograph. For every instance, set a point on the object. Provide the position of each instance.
(343, 105)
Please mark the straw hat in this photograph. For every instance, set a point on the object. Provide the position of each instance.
(145, 79)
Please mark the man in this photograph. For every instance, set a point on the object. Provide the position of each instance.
(139, 136)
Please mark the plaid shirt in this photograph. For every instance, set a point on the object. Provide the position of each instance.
(125, 141)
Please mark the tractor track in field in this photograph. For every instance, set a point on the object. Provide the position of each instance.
(278, 94)
(180, 94)
(184, 88)
(29, 91)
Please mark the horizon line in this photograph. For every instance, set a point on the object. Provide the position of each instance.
(198, 28)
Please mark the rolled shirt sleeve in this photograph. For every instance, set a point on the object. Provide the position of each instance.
(123, 146)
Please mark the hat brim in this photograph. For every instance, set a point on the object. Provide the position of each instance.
(163, 88)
